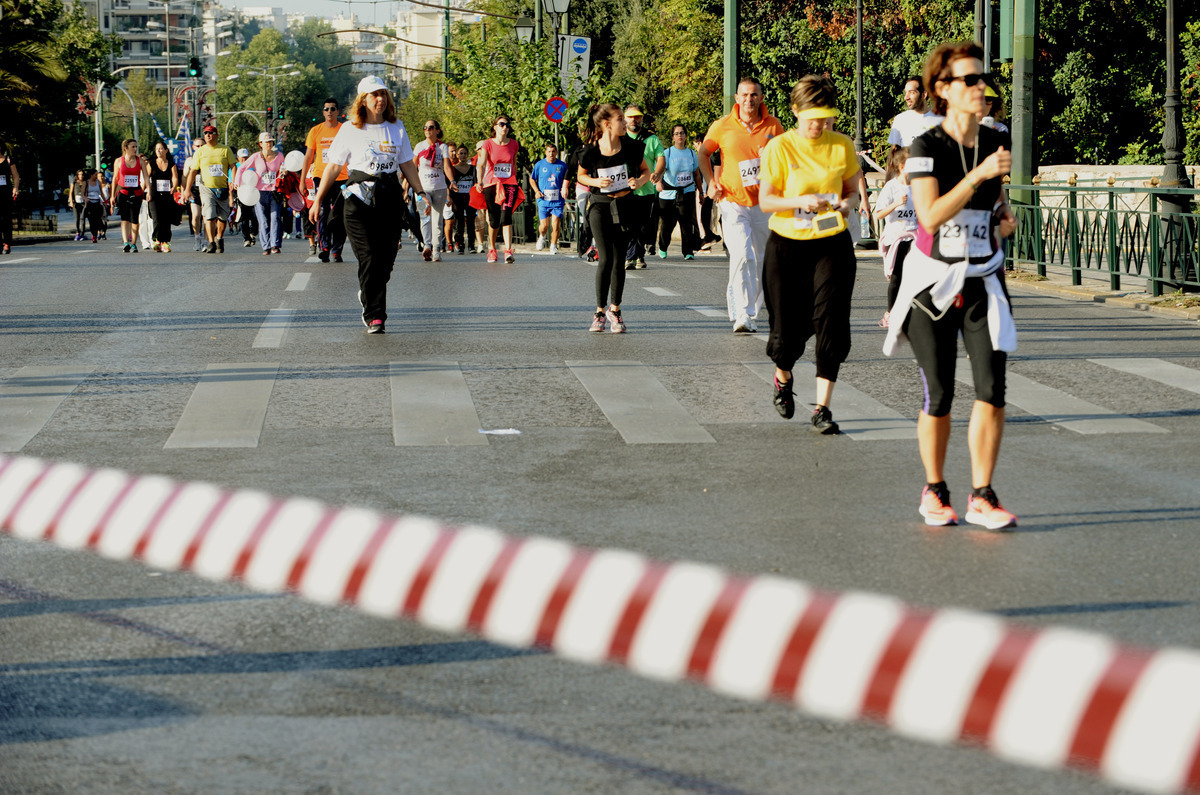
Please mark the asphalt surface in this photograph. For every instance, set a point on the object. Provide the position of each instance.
(115, 678)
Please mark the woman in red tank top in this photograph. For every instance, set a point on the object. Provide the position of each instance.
(498, 178)
(128, 192)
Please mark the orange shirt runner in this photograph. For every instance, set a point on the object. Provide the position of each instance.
(741, 148)
(318, 140)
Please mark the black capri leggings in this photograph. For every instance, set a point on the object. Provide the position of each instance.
(934, 339)
(808, 285)
(498, 215)
(611, 244)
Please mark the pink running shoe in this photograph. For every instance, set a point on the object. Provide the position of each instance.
(985, 511)
(935, 506)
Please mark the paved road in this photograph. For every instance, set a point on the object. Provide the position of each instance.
(114, 678)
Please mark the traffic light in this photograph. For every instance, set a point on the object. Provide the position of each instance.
(90, 161)
(194, 67)
(280, 116)
(270, 112)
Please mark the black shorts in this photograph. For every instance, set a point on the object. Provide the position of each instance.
(499, 215)
(129, 207)
(934, 339)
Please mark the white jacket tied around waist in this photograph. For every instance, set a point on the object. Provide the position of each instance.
(945, 282)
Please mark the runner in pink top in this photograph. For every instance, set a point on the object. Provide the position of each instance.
(267, 163)
(498, 176)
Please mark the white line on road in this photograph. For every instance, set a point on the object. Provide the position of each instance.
(710, 311)
(274, 328)
(860, 416)
(432, 406)
(227, 407)
(30, 397)
(20, 259)
(662, 291)
(1058, 407)
(1156, 370)
(311, 260)
(299, 283)
(637, 404)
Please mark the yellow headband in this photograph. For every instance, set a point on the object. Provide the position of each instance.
(818, 113)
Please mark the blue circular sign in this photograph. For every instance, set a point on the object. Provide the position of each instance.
(579, 46)
(555, 108)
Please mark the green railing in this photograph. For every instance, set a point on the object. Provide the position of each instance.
(1108, 232)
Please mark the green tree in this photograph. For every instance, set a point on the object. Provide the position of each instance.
(48, 55)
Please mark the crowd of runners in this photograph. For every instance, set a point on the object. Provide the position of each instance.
(788, 200)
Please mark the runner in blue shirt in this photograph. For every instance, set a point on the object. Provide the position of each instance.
(550, 184)
(677, 201)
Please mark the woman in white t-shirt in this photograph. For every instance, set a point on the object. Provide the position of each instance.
(430, 157)
(373, 146)
(894, 206)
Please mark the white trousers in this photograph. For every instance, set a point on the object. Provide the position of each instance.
(744, 232)
(431, 225)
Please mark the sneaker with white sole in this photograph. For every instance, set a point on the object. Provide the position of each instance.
(375, 326)
(983, 509)
(935, 506)
(541, 244)
(508, 255)
(553, 249)
(597, 322)
(615, 323)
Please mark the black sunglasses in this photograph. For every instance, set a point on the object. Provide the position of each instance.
(501, 124)
(330, 110)
(968, 80)
(430, 127)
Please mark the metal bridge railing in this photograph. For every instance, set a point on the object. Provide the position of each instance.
(1108, 232)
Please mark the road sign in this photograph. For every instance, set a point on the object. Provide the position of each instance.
(574, 61)
(555, 109)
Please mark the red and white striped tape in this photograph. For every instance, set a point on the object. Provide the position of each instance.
(1049, 698)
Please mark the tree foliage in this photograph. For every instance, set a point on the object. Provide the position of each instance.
(48, 55)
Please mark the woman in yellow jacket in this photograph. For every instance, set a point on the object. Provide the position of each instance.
(809, 185)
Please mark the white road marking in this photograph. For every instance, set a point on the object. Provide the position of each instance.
(432, 406)
(1174, 375)
(227, 406)
(30, 397)
(637, 404)
(274, 328)
(860, 416)
(662, 291)
(299, 282)
(711, 311)
(1058, 407)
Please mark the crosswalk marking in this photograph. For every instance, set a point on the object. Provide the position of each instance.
(660, 291)
(21, 259)
(1058, 407)
(860, 416)
(711, 311)
(1156, 370)
(637, 404)
(299, 283)
(274, 328)
(227, 407)
(311, 260)
(29, 398)
(432, 406)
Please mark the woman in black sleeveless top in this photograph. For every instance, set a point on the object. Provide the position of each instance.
(164, 179)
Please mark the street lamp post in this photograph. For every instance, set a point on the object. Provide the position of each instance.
(274, 89)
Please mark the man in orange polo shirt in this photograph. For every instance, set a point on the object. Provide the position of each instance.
(331, 234)
(740, 138)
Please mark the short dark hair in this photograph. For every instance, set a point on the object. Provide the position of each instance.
(917, 80)
(332, 101)
(754, 80)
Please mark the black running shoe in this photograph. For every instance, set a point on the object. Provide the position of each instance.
(785, 400)
(822, 421)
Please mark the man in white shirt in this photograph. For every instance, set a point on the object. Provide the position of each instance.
(914, 121)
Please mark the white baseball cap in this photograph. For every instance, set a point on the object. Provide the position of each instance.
(370, 84)
(263, 137)
(243, 152)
